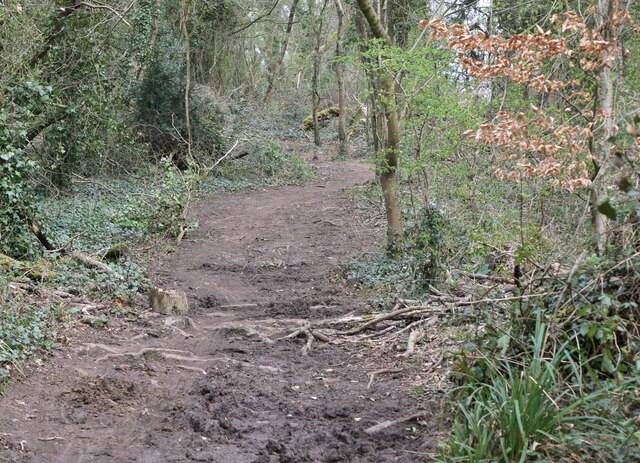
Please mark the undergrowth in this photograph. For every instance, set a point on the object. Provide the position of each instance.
(408, 271)
(24, 329)
(552, 377)
(116, 220)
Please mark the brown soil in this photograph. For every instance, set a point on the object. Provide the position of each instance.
(219, 385)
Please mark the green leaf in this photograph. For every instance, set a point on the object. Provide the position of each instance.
(608, 210)
(625, 185)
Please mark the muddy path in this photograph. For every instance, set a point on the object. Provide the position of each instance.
(216, 386)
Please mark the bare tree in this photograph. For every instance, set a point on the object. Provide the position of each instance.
(278, 65)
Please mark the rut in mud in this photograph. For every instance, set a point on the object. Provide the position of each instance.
(216, 386)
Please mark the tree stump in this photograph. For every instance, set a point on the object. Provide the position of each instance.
(168, 302)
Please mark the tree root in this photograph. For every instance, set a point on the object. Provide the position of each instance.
(414, 337)
(186, 321)
(189, 368)
(311, 335)
(174, 354)
(169, 354)
(373, 374)
(248, 330)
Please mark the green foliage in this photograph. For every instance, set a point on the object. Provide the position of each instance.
(24, 329)
(20, 114)
(267, 163)
(603, 322)
(410, 270)
(160, 98)
(160, 208)
(520, 409)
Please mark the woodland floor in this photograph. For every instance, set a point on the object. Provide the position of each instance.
(219, 385)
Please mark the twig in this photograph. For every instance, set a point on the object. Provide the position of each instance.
(478, 276)
(385, 424)
(215, 164)
(106, 7)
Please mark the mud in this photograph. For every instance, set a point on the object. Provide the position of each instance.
(220, 385)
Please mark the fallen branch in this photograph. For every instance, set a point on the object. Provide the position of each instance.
(90, 262)
(386, 424)
(479, 276)
(420, 310)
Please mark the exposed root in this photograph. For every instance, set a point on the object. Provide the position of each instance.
(170, 354)
(178, 355)
(311, 335)
(248, 330)
(307, 347)
(237, 306)
(381, 332)
(373, 374)
(419, 311)
(189, 368)
(414, 337)
(185, 321)
(50, 439)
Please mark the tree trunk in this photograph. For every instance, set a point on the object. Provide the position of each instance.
(317, 57)
(184, 16)
(606, 12)
(388, 166)
(278, 66)
(315, 96)
(343, 150)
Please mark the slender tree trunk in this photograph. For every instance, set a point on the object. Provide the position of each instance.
(388, 166)
(184, 16)
(606, 11)
(343, 135)
(317, 61)
(278, 66)
(315, 96)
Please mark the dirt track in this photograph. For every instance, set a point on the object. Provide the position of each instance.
(215, 387)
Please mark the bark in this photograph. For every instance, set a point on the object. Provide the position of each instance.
(606, 91)
(278, 65)
(184, 16)
(343, 137)
(317, 61)
(388, 166)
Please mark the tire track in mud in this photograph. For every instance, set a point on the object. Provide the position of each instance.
(216, 386)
